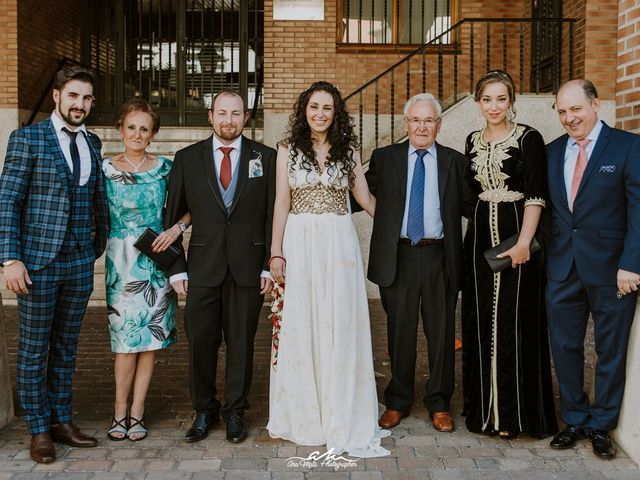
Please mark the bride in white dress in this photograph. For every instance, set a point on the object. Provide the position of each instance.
(323, 389)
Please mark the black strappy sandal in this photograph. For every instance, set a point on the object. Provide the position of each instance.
(118, 427)
(137, 427)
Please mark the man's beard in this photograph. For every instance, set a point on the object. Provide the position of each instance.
(227, 133)
(71, 120)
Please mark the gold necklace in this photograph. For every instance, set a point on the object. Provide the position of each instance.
(135, 166)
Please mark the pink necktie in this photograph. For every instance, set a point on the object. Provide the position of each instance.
(581, 164)
(225, 168)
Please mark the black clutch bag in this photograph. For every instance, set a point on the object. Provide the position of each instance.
(499, 264)
(163, 259)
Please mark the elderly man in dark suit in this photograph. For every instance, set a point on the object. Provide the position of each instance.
(593, 261)
(53, 225)
(416, 257)
(227, 183)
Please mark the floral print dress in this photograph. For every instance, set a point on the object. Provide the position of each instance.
(141, 304)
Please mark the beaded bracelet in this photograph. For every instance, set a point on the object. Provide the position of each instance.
(273, 258)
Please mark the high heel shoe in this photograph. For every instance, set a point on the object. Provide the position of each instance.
(137, 427)
(118, 430)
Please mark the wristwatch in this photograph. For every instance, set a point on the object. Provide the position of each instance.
(181, 226)
(8, 262)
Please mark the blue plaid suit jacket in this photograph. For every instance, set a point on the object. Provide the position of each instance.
(35, 197)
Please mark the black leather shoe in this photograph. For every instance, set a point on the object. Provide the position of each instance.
(201, 424)
(602, 444)
(236, 429)
(567, 438)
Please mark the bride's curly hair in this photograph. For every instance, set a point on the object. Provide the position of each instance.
(341, 136)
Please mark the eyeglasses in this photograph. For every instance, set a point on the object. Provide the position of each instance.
(420, 122)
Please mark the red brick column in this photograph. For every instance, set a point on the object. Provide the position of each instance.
(628, 66)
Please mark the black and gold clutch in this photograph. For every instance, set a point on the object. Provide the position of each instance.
(499, 264)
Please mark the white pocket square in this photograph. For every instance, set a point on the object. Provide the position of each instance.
(255, 168)
(607, 169)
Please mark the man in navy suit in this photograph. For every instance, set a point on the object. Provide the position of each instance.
(53, 225)
(593, 261)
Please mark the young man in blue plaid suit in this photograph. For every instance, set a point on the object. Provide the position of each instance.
(53, 225)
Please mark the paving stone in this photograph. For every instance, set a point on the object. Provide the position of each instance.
(382, 464)
(218, 452)
(581, 475)
(487, 463)
(621, 475)
(128, 465)
(485, 475)
(16, 466)
(446, 475)
(266, 451)
(327, 476)
(452, 463)
(414, 463)
(84, 453)
(89, 465)
(436, 451)
(408, 475)
(179, 476)
(479, 452)
(367, 476)
(70, 476)
(570, 453)
(126, 453)
(29, 476)
(287, 476)
(459, 440)
(183, 453)
(416, 441)
(160, 465)
(57, 466)
(247, 476)
(513, 464)
(286, 451)
(545, 464)
(206, 476)
(119, 476)
(518, 453)
(250, 464)
(199, 465)
(548, 475)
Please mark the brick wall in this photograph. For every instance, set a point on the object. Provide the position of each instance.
(8, 54)
(47, 32)
(298, 53)
(628, 66)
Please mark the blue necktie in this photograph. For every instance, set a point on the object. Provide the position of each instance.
(75, 154)
(415, 218)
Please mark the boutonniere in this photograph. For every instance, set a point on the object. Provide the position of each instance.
(255, 165)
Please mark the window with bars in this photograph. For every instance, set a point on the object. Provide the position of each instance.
(392, 22)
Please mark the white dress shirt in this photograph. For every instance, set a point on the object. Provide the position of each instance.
(81, 142)
(571, 156)
(432, 218)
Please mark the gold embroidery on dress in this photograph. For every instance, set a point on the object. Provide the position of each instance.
(537, 201)
(490, 157)
(319, 199)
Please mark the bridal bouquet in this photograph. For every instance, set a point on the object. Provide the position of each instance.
(276, 317)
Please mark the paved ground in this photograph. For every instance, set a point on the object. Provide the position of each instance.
(418, 451)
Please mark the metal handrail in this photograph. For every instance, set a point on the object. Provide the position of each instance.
(470, 47)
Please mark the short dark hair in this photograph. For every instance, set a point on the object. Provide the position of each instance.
(231, 93)
(138, 105)
(72, 72)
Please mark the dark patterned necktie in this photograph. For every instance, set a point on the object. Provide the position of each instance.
(75, 154)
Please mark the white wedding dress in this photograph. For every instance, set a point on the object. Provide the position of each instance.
(323, 389)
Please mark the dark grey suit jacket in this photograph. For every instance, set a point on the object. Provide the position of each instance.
(238, 239)
(387, 179)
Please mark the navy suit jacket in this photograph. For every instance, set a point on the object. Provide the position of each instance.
(602, 234)
(35, 198)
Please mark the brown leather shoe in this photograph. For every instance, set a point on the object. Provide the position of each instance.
(41, 448)
(71, 435)
(442, 421)
(391, 418)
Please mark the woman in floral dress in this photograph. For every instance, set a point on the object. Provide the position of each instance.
(140, 301)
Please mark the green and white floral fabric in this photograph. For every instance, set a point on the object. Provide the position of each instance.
(140, 301)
